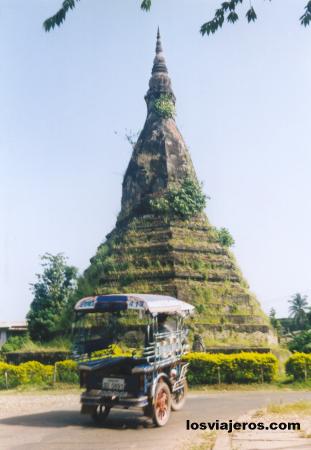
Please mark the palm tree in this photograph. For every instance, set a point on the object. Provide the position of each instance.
(297, 310)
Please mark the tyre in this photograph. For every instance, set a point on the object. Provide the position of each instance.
(161, 404)
(179, 398)
(100, 414)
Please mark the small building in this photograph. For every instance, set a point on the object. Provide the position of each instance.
(11, 329)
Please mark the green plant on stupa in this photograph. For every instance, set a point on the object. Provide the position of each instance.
(185, 202)
(224, 237)
(164, 107)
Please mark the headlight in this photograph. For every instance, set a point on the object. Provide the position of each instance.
(173, 373)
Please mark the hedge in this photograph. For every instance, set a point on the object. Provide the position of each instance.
(299, 366)
(31, 372)
(67, 371)
(206, 368)
(11, 376)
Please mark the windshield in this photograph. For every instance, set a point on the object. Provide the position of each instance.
(122, 332)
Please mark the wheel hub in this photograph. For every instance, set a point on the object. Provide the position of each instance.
(161, 403)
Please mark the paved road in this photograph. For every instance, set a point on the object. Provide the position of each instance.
(56, 423)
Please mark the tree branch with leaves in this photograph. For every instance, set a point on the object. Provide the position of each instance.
(227, 11)
(60, 16)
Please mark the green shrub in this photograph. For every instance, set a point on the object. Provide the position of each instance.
(206, 368)
(224, 237)
(299, 366)
(14, 343)
(67, 371)
(301, 342)
(164, 106)
(184, 202)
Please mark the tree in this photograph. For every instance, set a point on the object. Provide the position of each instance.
(298, 310)
(52, 292)
(275, 322)
(227, 10)
(301, 342)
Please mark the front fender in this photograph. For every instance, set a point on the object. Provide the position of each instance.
(156, 380)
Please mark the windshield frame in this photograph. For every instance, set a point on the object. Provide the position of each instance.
(104, 337)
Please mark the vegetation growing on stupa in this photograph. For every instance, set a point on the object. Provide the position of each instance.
(224, 237)
(164, 106)
(182, 258)
(185, 201)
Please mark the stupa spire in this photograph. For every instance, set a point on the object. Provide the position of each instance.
(160, 159)
(159, 64)
(160, 82)
(159, 43)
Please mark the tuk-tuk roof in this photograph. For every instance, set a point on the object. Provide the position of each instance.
(154, 304)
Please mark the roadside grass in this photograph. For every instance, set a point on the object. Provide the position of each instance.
(206, 441)
(302, 407)
(298, 408)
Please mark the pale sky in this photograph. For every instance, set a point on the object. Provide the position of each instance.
(67, 98)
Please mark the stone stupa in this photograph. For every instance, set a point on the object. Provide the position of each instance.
(148, 252)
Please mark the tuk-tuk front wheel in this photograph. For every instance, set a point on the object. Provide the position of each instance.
(179, 398)
(161, 404)
(100, 414)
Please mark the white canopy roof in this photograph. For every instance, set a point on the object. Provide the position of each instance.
(149, 302)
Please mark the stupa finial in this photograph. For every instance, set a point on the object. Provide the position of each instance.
(160, 82)
(159, 43)
(159, 64)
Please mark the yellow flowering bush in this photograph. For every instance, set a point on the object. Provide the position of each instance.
(299, 366)
(36, 373)
(11, 375)
(207, 368)
(67, 371)
(204, 368)
(111, 350)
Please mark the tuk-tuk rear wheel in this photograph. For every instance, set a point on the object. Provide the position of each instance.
(100, 414)
(161, 404)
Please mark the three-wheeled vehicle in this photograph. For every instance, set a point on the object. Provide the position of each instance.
(130, 348)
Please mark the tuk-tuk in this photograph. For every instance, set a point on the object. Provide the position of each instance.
(129, 348)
